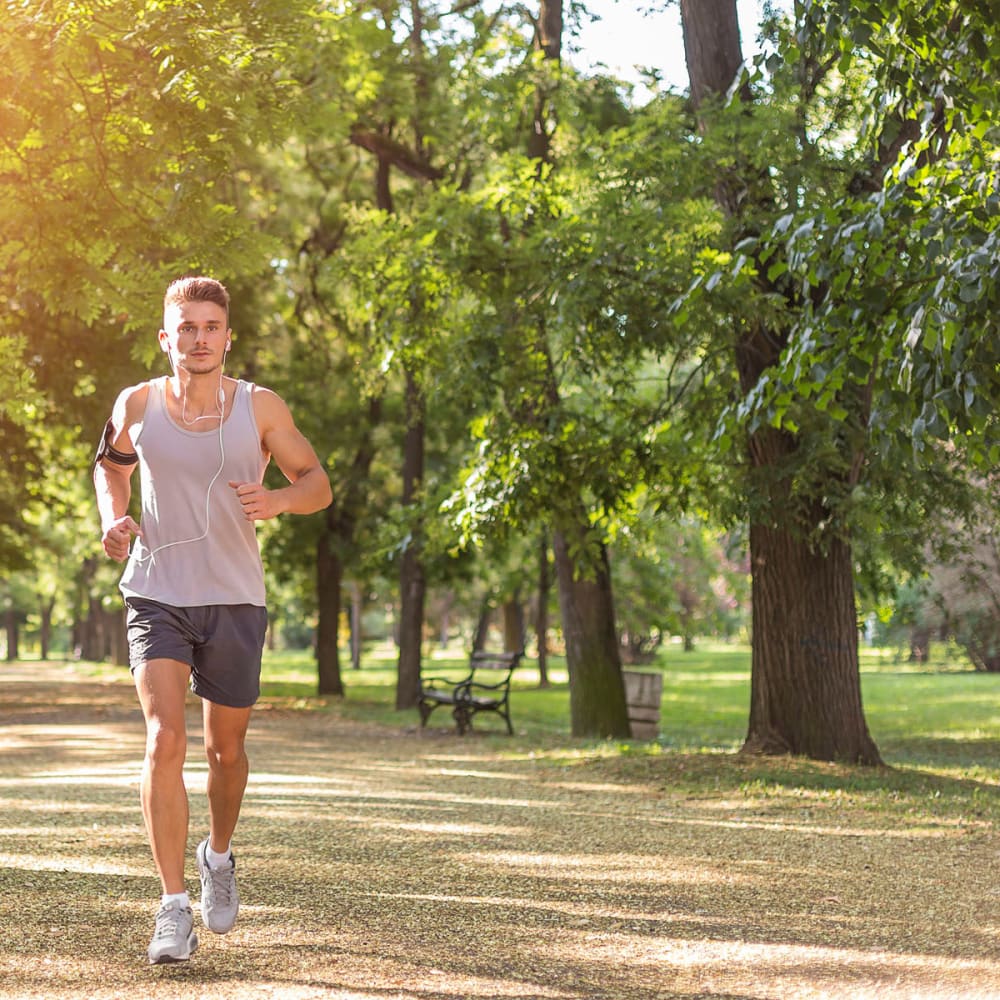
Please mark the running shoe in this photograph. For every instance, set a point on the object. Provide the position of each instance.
(174, 939)
(220, 901)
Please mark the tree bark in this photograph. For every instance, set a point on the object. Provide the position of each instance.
(95, 644)
(88, 630)
(412, 584)
(329, 581)
(513, 624)
(117, 637)
(335, 546)
(805, 681)
(46, 607)
(482, 627)
(12, 627)
(357, 638)
(805, 693)
(596, 688)
(711, 31)
(548, 40)
(542, 615)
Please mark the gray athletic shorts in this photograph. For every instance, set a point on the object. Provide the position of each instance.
(221, 643)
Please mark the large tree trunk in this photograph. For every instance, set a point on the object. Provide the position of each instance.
(444, 618)
(711, 31)
(92, 642)
(805, 693)
(357, 637)
(337, 544)
(46, 607)
(412, 584)
(920, 644)
(805, 682)
(596, 688)
(482, 626)
(13, 630)
(542, 615)
(89, 631)
(513, 624)
(118, 637)
(548, 41)
(329, 580)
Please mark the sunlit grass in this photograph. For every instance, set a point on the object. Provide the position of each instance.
(937, 727)
(942, 710)
(939, 719)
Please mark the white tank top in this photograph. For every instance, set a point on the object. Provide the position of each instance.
(175, 468)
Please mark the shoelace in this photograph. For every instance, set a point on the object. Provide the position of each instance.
(167, 922)
(222, 884)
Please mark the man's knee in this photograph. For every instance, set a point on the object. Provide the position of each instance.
(166, 744)
(224, 755)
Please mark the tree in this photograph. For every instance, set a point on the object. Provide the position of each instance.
(527, 471)
(362, 261)
(839, 242)
(117, 151)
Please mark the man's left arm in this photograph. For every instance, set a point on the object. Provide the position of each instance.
(308, 488)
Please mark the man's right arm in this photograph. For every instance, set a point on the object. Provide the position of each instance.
(113, 475)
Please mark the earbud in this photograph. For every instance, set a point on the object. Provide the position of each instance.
(229, 345)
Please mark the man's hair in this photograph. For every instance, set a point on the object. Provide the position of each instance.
(197, 289)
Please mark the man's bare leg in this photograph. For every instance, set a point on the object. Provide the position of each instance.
(162, 687)
(225, 737)
(228, 768)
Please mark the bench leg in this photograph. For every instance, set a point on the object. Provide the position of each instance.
(462, 719)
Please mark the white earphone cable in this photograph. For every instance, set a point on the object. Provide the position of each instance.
(221, 401)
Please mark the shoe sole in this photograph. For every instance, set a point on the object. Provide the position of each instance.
(218, 930)
(174, 959)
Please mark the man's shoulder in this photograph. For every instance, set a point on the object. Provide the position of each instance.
(131, 402)
(269, 409)
(264, 397)
(256, 389)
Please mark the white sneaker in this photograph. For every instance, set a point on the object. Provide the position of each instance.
(220, 900)
(174, 939)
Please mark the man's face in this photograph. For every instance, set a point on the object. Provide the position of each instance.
(195, 335)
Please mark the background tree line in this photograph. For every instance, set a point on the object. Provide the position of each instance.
(549, 341)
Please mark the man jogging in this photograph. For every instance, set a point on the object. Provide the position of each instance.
(194, 583)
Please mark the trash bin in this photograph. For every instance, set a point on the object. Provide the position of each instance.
(643, 692)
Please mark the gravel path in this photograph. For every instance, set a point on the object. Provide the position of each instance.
(378, 864)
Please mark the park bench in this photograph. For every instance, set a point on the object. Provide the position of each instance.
(485, 688)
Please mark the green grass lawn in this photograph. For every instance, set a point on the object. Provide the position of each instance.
(940, 714)
(937, 726)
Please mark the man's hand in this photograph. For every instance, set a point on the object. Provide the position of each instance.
(258, 503)
(118, 537)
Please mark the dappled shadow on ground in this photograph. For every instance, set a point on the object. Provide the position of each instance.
(380, 864)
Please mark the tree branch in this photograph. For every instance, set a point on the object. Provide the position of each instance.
(404, 159)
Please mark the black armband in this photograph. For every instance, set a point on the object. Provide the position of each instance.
(106, 451)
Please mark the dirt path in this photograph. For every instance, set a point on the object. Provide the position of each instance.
(378, 864)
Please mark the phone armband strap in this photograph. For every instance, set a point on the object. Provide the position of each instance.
(112, 454)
